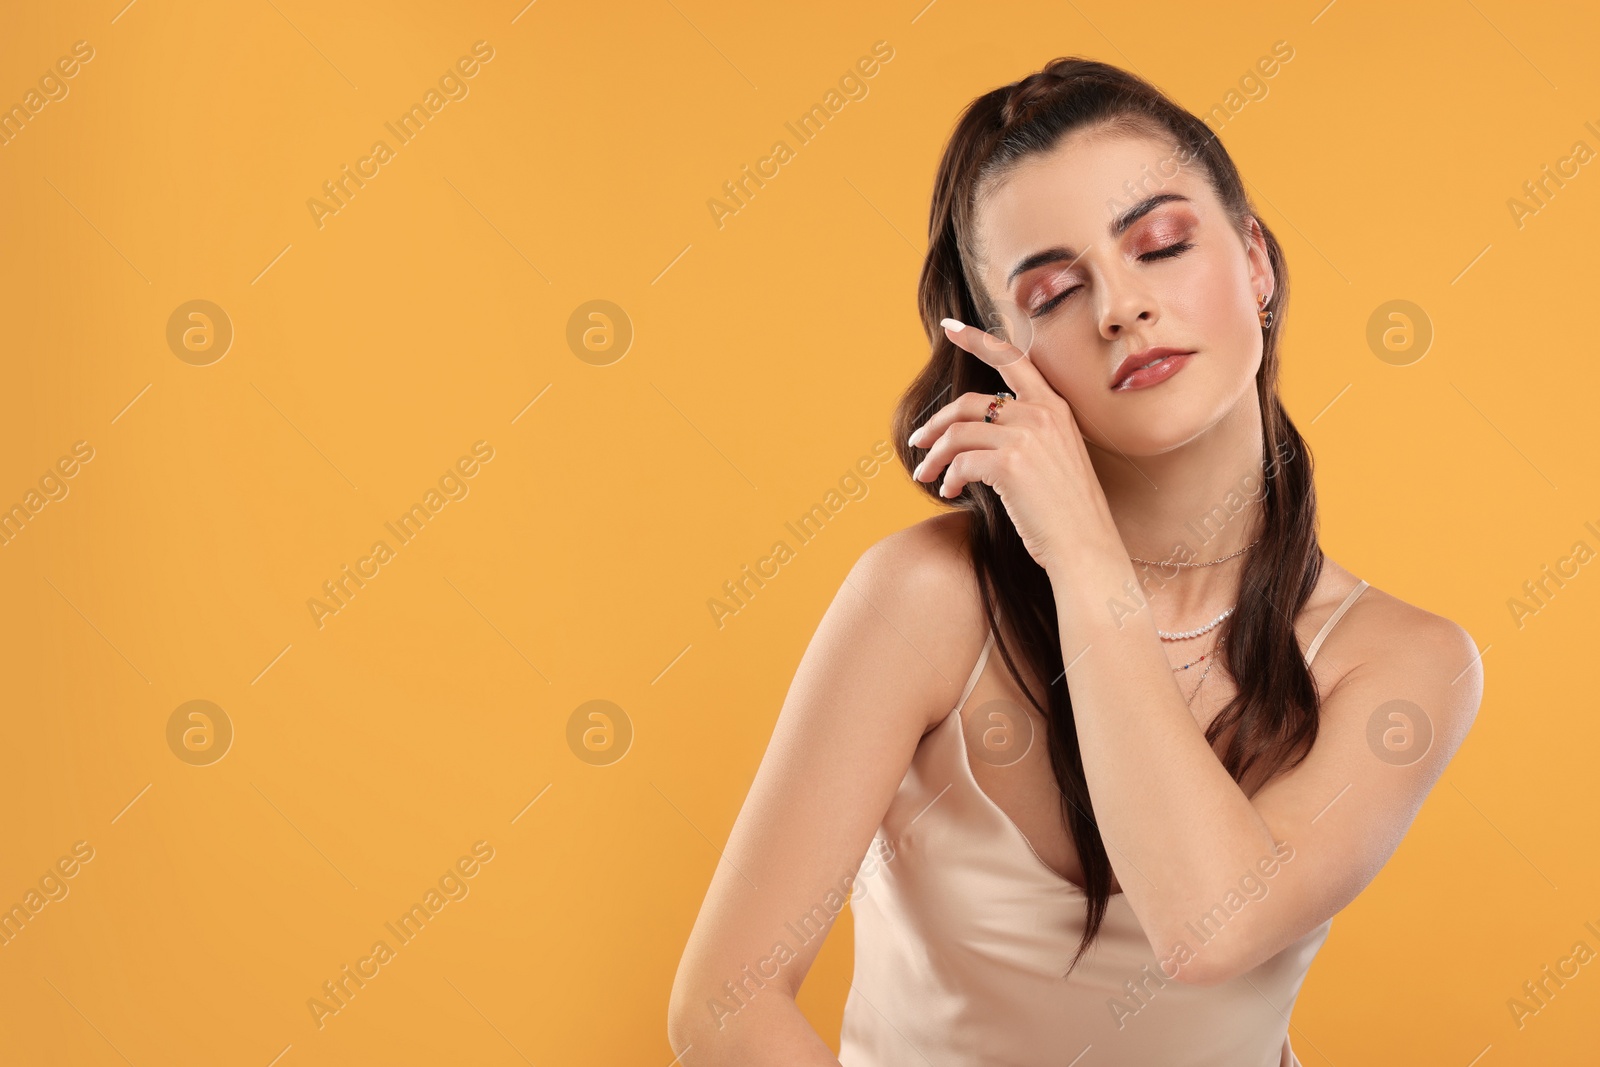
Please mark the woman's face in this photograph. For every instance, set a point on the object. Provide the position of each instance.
(1080, 287)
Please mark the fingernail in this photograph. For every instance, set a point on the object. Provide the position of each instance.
(916, 437)
(952, 324)
(916, 475)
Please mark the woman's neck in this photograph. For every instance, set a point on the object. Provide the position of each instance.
(1192, 504)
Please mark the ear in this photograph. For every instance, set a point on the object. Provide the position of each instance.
(1261, 277)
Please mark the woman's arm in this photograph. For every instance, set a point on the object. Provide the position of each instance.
(1181, 834)
(866, 689)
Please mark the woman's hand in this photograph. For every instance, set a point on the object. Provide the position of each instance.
(1033, 456)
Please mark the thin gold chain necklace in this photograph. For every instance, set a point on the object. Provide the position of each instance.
(1210, 563)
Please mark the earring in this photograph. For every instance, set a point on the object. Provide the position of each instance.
(1264, 315)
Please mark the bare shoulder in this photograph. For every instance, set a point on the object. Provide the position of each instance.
(926, 557)
(921, 581)
(1381, 635)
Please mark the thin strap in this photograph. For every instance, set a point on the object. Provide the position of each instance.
(1316, 642)
(972, 679)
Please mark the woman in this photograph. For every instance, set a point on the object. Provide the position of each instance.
(1126, 846)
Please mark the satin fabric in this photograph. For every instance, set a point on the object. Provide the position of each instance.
(963, 934)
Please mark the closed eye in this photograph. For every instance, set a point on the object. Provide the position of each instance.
(1168, 252)
(1161, 253)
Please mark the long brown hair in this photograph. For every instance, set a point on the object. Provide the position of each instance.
(1275, 711)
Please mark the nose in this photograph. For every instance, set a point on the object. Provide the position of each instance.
(1125, 301)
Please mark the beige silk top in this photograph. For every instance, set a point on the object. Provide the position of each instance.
(963, 933)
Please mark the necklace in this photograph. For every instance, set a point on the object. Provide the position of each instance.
(1189, 700)
(1211, 563)
(1197, 659)
(1184, 635)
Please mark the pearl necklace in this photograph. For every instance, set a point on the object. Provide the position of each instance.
(1184, 635)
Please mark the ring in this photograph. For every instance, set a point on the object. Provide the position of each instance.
(996, 404)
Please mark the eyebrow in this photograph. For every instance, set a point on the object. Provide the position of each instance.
(1117, 228)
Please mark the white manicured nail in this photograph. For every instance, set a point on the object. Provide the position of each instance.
(952, 324)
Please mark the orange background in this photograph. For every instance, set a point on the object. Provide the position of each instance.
(370, 753)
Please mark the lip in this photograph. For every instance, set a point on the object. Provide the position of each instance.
(1129, 376)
